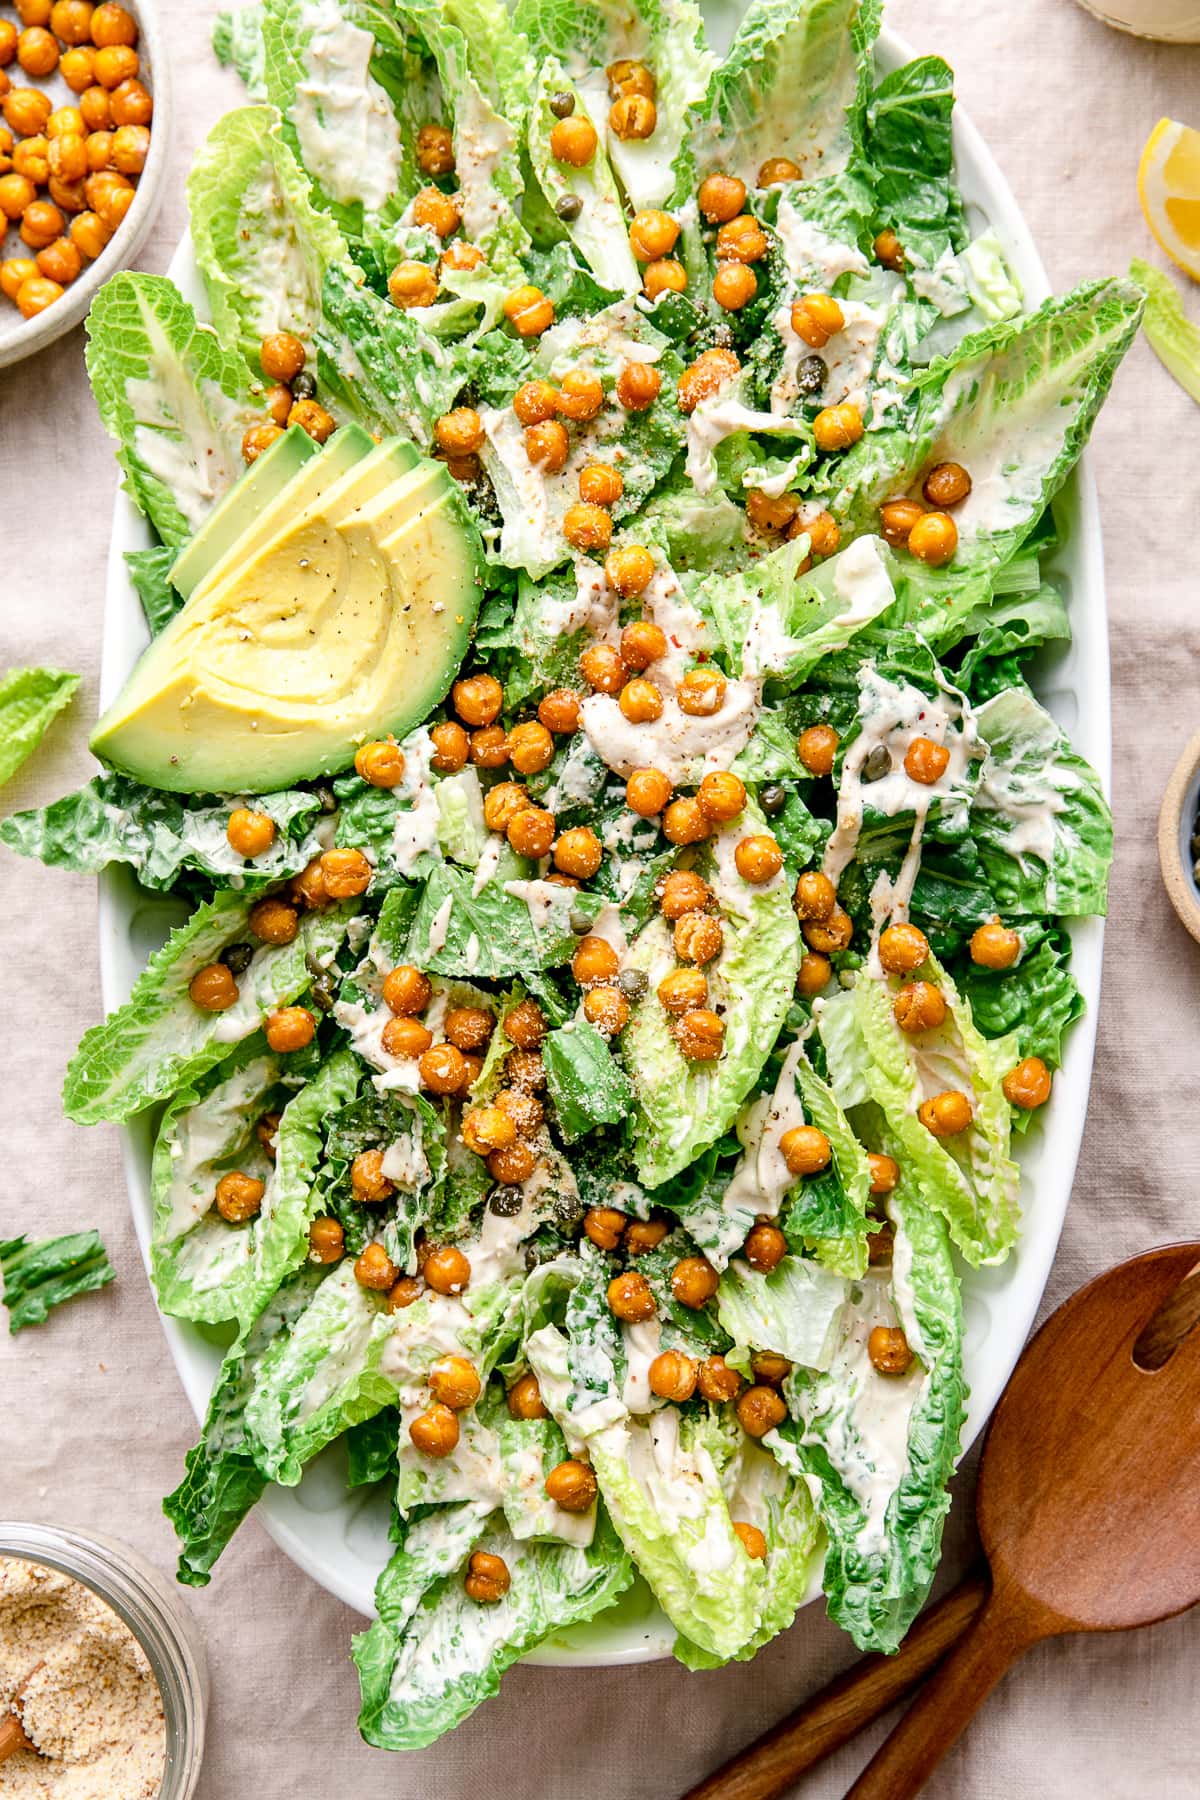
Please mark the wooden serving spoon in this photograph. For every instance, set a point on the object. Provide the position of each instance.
(1088, 1507)
(12, 1730)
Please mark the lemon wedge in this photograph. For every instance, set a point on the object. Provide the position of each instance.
(1169, 190)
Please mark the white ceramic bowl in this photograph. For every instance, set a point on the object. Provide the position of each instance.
(340, 1538)
(20, 337)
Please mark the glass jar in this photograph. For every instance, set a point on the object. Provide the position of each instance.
(150, 1605)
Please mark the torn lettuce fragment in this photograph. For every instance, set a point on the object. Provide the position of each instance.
(39, 1275)
(30, 700)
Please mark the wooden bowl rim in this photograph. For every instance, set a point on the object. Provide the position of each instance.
(1176, 869)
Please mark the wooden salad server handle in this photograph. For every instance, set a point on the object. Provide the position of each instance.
(12, 1737)
(768, 1767)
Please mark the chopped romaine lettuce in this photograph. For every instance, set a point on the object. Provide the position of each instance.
(37, 1276)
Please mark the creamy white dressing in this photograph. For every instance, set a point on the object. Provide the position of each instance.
(187, 433)
(592, 608)
(416, 830)
(608, 340)
(811, 252)
(439, 925)
(1007, 446)
(642, 1344)
(204, 1136)
(482, 141)
(546, 900)
(761, 1177)
(349, 137)
(849, 357)
(861, 583)
(942, 283)
(712, 421)
(485, 868)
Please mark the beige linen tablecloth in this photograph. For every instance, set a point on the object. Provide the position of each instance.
(95, 1422)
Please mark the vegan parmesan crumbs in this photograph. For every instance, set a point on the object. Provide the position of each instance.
(93, 1708)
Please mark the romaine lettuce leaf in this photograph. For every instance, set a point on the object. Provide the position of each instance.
(379, 366)
(1174, 339)
(238, 44)
(30, 699)
(599, 232)
(37, 1276)
(529, 1450)
(150, 573)
(513, 925)
(909, 146)
(585, 1081)
(1037, 998)
(775, 621)
(793, 1311)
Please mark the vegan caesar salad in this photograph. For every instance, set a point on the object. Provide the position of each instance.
(597, 548)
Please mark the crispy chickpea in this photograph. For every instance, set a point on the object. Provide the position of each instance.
(600, 484)
(578, 852)
(631, 1298)
(919, 1007)
(469, 1027)
(640, 701)
(14, 273)
(447, 1270)
(817, 748)
(435, 150)
(778, 169)
(758, 858)
(257, 439)
(770, 512)
(683, 891)
(627, 76)
(115, 63)
(580, 396)
(759, 1410)
(572, 1486)
(806, 1150)
(888, 1350)
(682, 990)
(17, 193)
(816, 318)
(995, 946)
(947, 1114)
(525, 1399)
(436, 212)
(1028, 1085)
(742, 240)
(347, 873)
(487, 1579)
(653, 234)
(213, 988)
(68, 196)
(528, 311)
(633, 117)
(603, 1226)
(375, 1269)
(308, 888)
(837, 427)
(558, 711)
(647, 791)
(26, 111)
(78, 68)
(459, 433)
(435, 1431)
(67, 156)
(403, 1294)
(239, 1196)
(642, 642)
(926, 761)
(71, 20)
(8, 42)
(513, 1165)
(487, 1128)
(769, 1368)
(250, 833)
(530, 748)
(683, 822)
(547, 446)
(815, 974)
(700, 1035)
(903, 948)
(933, 539)
(98, 147)
(442, 1069)
(889, 252)
(37, 51)
(502, 804)
(607, 1009)
(698, 938)
(531, 833)
(451, 747)
(573, 141)
(368, 1180)
(455, 1382)
(523, 1109)
(273, 920)
(477, 699)
(672, 1376)
(60, 262)
(664, 277)
(594, 961)
(705, 377)
(412, 284)
(525, 1026)
(734, 286)
(896, 520)
(535, 401)
(41, 224)
(603, 670)
(638, 386)
(885, 1172)
(721, 198)
(279, 405)
(816, 895)
(380, 764)
(765, 1247)
(643, 1235)
(289, 1029)
(282, 356)
(718, 1383)
(112, 24)
(132, 104)
(313, 419)
(326, 1240)
(405, 1038)
(823, 533)
(827, 936)
(701, 692)
(947, 484)
(95, 104)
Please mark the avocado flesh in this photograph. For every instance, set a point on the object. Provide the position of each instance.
(253, 497)
(330, 634)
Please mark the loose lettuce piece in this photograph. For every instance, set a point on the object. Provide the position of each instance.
(116, 820)
(881, 1448)
(371, 1450)
(793, 1311)
(828, 1212)
(222, 1481)
(909, 145)
(682, 1106)
(600, 233)
(160, 1040)
(261, 245)
(774, 621)
(204, 1268)
(1037, 1000)
(174, 398)
(412, 1136)
(238, 44)
(37, 1276)
(529, 1450)
(1007, 631)
(1174, 339)
(30, 699)
(379, 366)
(1042, 824)
(515, 924)
(150, 573)
(1013, 404)
(424, 1673)
(584, 1080)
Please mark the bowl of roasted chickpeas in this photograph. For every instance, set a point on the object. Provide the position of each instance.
(83, 142)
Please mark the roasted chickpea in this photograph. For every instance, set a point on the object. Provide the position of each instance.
(469, 1027)
(404, 1294)
(837, 427)
(131, 105)
(600, 485)
(525, 1399)
(487, 1579)
(718, 1383)
(631, 1298)
(513, 1165)
(698, 938)
(594, 961)
(436, 212)
(640, 701)
(647, 791)
(603, 1226)
(535, 401)
(919, 1007)
(673, 1376)
(705, 377)
(451, 747)
(502, 803)
(903, 948)
(580, 396)
(213, 988)
(682, 990)
(239, 1196)
(933, 539)
(250, 833)
(947, 1114)
(815, 974)
(412, 284)
(573, 141)
(289, 1029)
(1028, 1085)
(701, 692)
(67, 156)
(607, 1009)
(528, 311)
(926, 761)
(734, 286)
(578, 852)
(435, 150)
(765, 1247)
(823, 533)
(653, 234)
(827, 936)
(994, 946)
(630, 77)
(308, 888)
(778, 169)
(381, 764)
(26, 111)
(816, 318)
(115, 63)
(758, 858)
(769, 1368)
(8, 42)
(78, 68)
(816, 896)
(770, 512)
(525, 1070)
(60, 262)
(368, 1180)
(282, 356)
(759, 1410)
(313, 419)
(405, 1038)
(257, 439)
(98, 147)
(442, 1069)
(347, 873)
(752, 1540)
(525, 1026)
(721, 198)
(742, 240)
(700, 1035)
(435, 1431)
(683, 891)
(112, 24)
(447, 1270)
(643, 1235)
(805, 1150)
(896, 520)
(477, 699)
(947, 484)
(455, 1382)
(326, 1240)
(885, 1172)
(37, 51)
(71, 20)
(633, 117)
(41, 224)
(547, 446)
(889, 252)
(375, 1269)
(278, 402)
(572, 1486)
(273, 921)
(95, 105)
(459, 433)
(817, 747)
(888, 1350)
(17, 192)
(530, 747)
(558, 711)
(683, 822)
(638, 386)
(488, 1128)
(531, 833)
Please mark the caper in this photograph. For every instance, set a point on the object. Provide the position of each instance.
(581, 921)
(562, 105)
(304, 385)
(327, 797)
(772, 799)
(237, 957)
(324, 993)
(810, 376)
(506, 1201)
(633, 983)
(878, 764)
(569, 207)
(568, 1211)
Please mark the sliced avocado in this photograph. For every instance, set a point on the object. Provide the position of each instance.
(319, 639)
